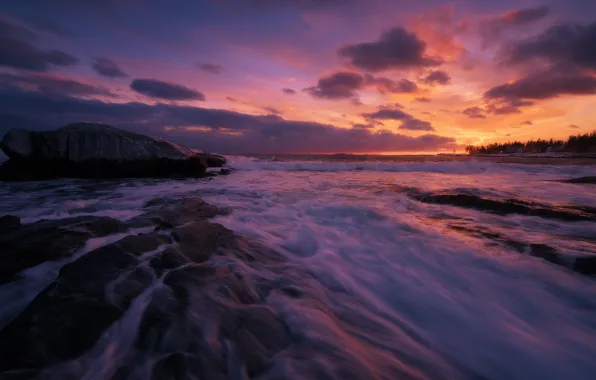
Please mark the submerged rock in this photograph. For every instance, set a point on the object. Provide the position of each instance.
(585, 265)
(501, 207)
(9, 223)
(35, 243)
(88, 150)
(591, 180)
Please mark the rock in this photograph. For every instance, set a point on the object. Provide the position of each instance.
(206, 318)
(497, 206)
(18, 143)
(198, 240)
(46, 240)
(88, 150)
(173, 213)
(591, 180)
(585, 265)
(69, 316)
(212, 160)
(225, 171)
(547, 253)
(9, 223)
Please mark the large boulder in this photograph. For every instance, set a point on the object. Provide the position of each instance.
(89, 150)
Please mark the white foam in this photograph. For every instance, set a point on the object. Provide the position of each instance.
(409, 285)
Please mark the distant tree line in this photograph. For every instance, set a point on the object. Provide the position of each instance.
(585, 143)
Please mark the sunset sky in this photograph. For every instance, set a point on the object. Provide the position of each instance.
(304, 76)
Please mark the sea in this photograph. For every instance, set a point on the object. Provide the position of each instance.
(435, 289)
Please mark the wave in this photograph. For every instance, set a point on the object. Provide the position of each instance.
(471, 166)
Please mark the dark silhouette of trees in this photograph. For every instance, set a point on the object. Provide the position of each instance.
(585, 143)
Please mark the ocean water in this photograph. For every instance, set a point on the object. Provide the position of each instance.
(424, 290)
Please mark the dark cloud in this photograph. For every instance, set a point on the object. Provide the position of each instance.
(385, 85)
(545, 85)
(19, 54)
(49, 26)
(208, 129)
(502, 109)
(53, 85)
(407, 121)
(231, 99)
(437, 77)
(340, 85)
(163, 90)
(12, 29)
(492, 29)
(574, 126)
(396, 49)
(423, 99)
(414, 124)
(288, 91)
(524, 16)
(528, 122)
(474, 113)
(385, 113)
(211, 68)
(107, 68)
(263, 5)
(569, 44)
(363, 126)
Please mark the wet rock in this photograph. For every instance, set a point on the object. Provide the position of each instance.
(35, 170)
(46, 240)
(9, 223)
(170, 258)
(212, 160)
(547, 253)
(173, 366)
(68, 317)
(585, 265)
(258, 335)
(173, 213)
(501, 207)
(90, 150)
(591, 180)
(89, 141)
(198, 240)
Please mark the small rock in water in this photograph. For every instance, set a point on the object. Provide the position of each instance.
(9, 223)
(585, 265)
(591, 179)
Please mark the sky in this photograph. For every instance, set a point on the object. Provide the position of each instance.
(303, 76)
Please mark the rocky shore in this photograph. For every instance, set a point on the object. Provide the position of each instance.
(197, 313)
(582, 264)
(88, 150)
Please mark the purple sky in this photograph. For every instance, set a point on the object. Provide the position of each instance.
(275, 76)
